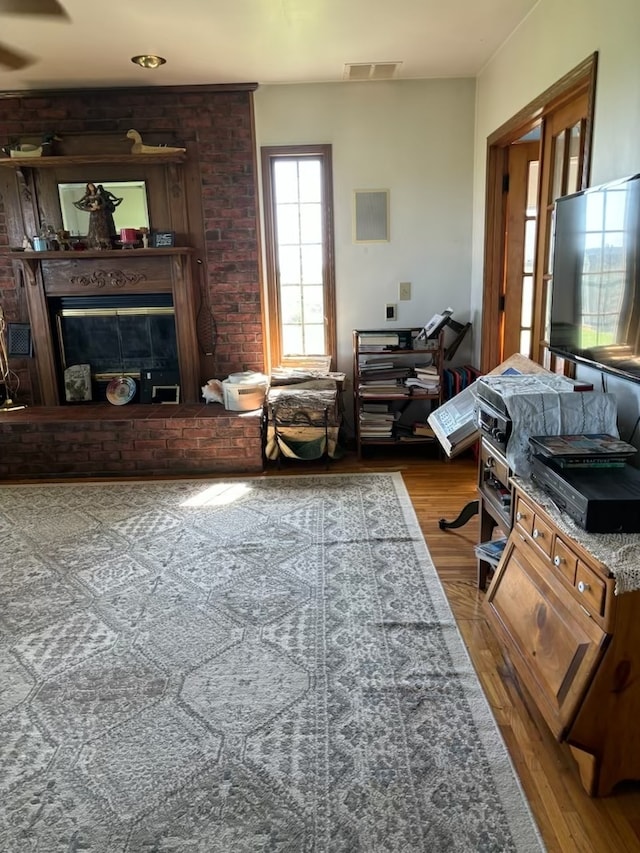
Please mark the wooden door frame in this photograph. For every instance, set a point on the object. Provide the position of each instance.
(580, 79)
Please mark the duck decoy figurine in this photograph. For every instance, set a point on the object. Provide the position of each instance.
(139, 147)
(15, 148)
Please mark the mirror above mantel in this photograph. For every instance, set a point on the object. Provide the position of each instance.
(131, 212)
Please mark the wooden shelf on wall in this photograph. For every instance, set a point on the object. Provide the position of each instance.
(92, 159)
(93, 253)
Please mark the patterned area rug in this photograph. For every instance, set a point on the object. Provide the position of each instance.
(239, 666)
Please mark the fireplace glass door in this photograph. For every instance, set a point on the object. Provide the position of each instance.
(117, 335)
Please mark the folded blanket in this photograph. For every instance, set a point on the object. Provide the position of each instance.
(551, 413)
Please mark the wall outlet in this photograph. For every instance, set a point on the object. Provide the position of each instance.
(390, 311)
(404, 291)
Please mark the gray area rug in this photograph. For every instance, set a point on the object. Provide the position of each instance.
(237, 666)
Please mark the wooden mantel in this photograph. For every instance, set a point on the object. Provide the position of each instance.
(157, 159)
(94, 273)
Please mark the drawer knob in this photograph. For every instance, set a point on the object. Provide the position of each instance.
(491, 462)
(558, 560)
(537, 534)
(519, 516)
(583, 587)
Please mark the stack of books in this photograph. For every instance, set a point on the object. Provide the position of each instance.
(381, 340)
(387, 387)
(376, 421)
(378, 341)
(425, 379)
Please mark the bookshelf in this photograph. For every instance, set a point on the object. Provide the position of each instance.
(397, 383)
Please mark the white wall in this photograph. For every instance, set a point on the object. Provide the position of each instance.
(556, 37)
(414, 138)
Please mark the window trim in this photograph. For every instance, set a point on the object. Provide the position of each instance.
(270, 154)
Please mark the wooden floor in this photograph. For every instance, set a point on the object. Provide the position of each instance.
(569, 820)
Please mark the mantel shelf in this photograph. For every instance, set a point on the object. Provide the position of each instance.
(92, 160)
(96, 253)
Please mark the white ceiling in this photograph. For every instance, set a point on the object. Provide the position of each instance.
(254, 41)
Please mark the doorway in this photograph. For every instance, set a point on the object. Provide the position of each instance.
(540, 154)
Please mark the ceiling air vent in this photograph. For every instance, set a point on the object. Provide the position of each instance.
(371, 70)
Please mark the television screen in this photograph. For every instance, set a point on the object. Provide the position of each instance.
(595, 297)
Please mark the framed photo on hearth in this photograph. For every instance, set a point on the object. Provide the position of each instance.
(165, 393)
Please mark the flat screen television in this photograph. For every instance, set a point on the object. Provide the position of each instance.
(595, 295)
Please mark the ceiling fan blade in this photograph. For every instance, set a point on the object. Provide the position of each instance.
(13, 60)
(32, 7)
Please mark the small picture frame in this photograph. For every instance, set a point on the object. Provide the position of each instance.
(163, 239)
(165, 394)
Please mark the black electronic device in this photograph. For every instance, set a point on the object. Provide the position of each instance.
(598, 500)
(494, 423)
(595, 286)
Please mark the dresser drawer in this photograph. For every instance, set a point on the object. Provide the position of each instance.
(542, 535)
(564, 560)
(524, 515)
(591, 589)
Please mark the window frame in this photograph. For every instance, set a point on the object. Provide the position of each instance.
(269, 156)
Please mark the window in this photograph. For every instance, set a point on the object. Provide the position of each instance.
(605, 278)
(298, 214)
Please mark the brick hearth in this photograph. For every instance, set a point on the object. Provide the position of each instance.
(97, 440)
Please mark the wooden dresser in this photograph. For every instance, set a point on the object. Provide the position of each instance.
(574, 643)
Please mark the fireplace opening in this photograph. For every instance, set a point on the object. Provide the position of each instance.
(124, 335)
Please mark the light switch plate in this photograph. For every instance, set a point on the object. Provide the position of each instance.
(404, 291)
(390, 311)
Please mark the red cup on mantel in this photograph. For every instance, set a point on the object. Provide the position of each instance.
(128, 236)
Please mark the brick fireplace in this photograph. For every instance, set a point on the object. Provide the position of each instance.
(209, 203)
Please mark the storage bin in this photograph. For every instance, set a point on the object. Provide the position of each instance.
(243, 392)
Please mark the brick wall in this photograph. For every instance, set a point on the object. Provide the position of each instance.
(220, 121)
(98, 441)
(70, 441)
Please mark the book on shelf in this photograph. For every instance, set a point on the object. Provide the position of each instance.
(382, 387)
(387, 373)
(423, 429)
(388, 381)
(367, 366)
(373, 408)
(431, 384)
(385, 415)
(375, 420)
(368, 339)
(397, 393)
